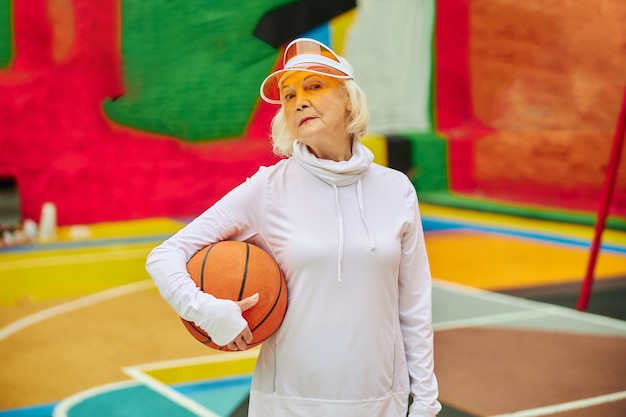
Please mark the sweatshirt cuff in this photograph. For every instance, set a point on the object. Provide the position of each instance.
(418, 410)
(223, 321)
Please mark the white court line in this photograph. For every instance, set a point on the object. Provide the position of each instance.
(46, 261)
(531, 305)
(62, 407)
(40, 316)
(200, 360)
(573, 405)
(169, 393)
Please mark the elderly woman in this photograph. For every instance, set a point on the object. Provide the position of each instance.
(357, 338)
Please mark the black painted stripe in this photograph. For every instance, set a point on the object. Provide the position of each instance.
(284, 23)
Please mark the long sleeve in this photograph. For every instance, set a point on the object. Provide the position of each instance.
(234, 217)
(415, 308)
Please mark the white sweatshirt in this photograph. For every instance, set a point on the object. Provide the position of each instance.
(357, 338)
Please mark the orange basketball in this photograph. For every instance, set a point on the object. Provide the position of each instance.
(236, 270)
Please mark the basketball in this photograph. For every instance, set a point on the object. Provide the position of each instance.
(236, 270)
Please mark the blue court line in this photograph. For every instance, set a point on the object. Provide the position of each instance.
(87, 243)
(190, 388)
(430, 225)
(436, 225)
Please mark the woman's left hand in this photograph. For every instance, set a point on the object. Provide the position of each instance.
(241, 341)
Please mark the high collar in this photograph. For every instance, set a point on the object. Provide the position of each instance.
(333, 172)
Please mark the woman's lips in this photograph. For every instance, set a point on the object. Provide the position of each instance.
(306, 119)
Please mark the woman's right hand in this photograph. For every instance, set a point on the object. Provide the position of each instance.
(241, 341)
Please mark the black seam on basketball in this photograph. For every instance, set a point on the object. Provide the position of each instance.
(206, 255)
(245, 273)
(208, 340)
(269, 313)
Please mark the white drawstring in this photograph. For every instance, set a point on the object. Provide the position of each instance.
(359, 193)
(340, 232)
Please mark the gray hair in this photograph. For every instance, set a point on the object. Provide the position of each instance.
(356, 127)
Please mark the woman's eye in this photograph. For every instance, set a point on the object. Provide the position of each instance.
(315, 86)
(288, 97)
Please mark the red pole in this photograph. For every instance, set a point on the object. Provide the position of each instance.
(605, 202)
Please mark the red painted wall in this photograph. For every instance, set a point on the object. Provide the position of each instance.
(60, 147)
(528, 96)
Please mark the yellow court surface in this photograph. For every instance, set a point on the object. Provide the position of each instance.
(496, 262)
(482, 250)
(499, 252)
(105, 256)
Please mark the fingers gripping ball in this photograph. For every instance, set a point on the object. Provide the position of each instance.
(236, 270)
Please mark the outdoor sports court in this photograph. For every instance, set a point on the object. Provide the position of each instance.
(83, 332)
(106, 114)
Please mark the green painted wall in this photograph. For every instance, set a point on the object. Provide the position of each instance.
(6, 42)
(428, 153)
(192, 69)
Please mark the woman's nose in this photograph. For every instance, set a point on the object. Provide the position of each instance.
(302, 102)
(301, 105)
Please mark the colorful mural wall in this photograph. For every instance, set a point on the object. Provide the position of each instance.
(531, 117)
(120, 110)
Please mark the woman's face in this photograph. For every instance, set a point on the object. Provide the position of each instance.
(316, 109)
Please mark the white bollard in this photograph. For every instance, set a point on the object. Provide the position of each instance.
(48, 223)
